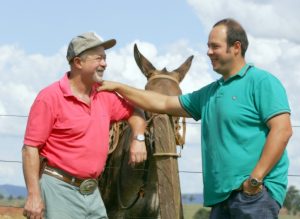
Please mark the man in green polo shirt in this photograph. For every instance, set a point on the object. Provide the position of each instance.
(245, 123)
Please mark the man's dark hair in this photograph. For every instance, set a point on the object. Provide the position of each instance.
(235, 32)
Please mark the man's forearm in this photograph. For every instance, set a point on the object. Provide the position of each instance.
(137, 122)
(34, 205)
(31, 168)
(148, 100)
(138, 152)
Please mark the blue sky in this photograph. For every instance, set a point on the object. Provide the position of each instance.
(35, 34)
(44, 26)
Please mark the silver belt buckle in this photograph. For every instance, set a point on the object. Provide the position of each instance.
(88, 186)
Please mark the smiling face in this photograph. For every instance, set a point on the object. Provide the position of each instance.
(220, 54)
(94, 63)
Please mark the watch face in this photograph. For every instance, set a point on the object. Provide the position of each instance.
(140, 137)
(253, 182)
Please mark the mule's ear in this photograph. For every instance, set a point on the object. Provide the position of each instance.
(183, 69)
(146, 67)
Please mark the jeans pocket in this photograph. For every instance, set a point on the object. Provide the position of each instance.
(260, 192)
(251, 198)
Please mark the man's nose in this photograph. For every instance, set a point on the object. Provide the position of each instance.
(103, 63)
(209, 51)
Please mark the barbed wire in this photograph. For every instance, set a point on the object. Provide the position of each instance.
(187, 122)
(12, 115)
(10, 161)
(137, 169)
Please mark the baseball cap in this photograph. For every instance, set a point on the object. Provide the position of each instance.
(86, 41)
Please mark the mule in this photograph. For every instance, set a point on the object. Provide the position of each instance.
(151, 189)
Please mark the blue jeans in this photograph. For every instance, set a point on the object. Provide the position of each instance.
(242, 206)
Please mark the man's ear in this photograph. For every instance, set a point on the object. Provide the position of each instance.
(77, 62)
(237, 48)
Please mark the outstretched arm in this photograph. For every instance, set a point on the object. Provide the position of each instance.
(147, 100)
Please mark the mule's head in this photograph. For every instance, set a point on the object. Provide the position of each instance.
(162, 81)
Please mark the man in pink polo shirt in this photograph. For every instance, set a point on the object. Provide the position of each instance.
(68, 126)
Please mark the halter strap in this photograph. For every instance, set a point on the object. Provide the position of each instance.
(163, 76)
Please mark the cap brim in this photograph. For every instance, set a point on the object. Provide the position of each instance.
(108, 43)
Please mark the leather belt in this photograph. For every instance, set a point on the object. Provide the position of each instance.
(86, 186)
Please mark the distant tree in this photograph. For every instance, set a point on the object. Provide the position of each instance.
(191, 198)
(184, 196)
(1, 196)
(10, 197)
(202, 213)
(292, 200)
(296, 207)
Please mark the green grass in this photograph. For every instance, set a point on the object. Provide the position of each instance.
(190, 210)
(12, 202)
(288, 217)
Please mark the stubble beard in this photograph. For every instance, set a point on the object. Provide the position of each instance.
(98, 76)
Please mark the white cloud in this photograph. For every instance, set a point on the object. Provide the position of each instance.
(280, 57)
(122, 66)
(270, 19)
(22, 76)
(11, 173)
(34, 70)
(193, 132)
(190, 168)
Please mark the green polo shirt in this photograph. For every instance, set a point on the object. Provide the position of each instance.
(233, 117)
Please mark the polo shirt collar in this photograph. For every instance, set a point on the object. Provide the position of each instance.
(65, 85)
(66, 89)
(241, 73)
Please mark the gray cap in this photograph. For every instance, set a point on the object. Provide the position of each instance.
(86, 41)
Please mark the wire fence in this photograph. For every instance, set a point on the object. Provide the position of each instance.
(180, 171)
(187, 122)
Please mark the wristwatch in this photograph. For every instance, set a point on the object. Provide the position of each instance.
(254, 182)
(139, 137)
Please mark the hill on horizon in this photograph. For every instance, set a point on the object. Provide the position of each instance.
(8, 190)
(192, 198)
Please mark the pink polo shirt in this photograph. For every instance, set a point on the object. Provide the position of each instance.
(72, 135)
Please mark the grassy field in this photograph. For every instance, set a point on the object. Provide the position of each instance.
(288, 217)
(11, 208)
(16, 212)
(190, 210)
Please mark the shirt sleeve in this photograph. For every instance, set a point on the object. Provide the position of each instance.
(191, 102)
(121, 109)
(39, 124)
(270, 98)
